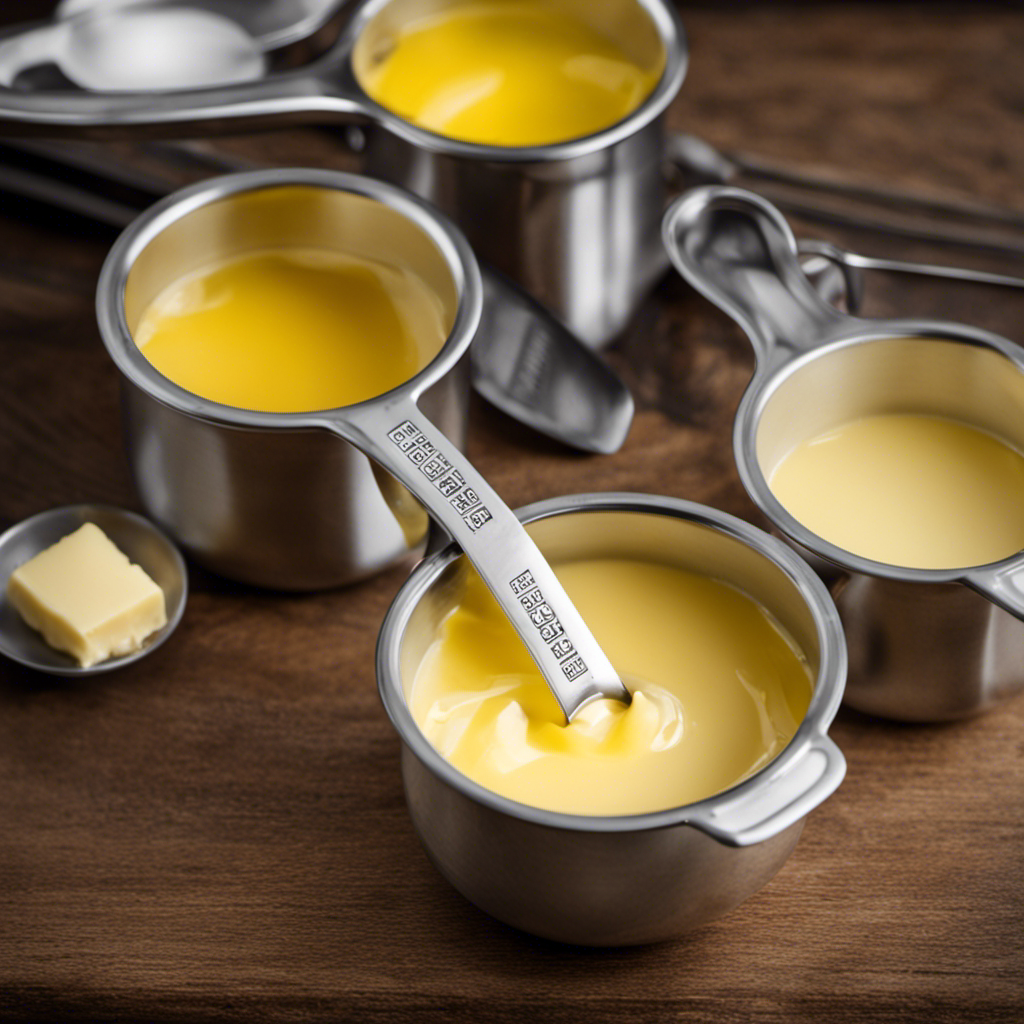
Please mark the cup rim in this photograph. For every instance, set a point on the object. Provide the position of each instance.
(762, 389)
(825, 700)
(664, 18)
(134, 366)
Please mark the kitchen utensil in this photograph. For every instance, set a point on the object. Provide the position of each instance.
(217, 498)
(271, 24)
(925, 644)
(815, 254)
(609, 881)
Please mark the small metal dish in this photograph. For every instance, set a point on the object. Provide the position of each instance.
(138, 538)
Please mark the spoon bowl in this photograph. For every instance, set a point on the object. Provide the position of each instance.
(271, 24)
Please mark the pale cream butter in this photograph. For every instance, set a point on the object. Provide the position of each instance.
(86, 598)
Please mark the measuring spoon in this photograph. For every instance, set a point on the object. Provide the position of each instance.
(365, 217)
(270, 23)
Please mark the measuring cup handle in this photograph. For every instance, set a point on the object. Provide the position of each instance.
(738, 251)
(254, 105)
(25, 48)
(792, 791)
(411, 448)
(1001, 584)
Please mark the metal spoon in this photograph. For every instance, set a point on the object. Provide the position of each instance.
(270, 23)
(815, 255)
(147, 48)
(153, 45)
(138, 538)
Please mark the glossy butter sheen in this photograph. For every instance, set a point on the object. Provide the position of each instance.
(908, 489)
(508, 73)
(718, 691)
(292, 330)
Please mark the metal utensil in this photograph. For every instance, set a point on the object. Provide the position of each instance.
(524, 361)
(925, 644)
(137, 537)
(888, 210)
(133, 47)
(140, 45)
(815, 253)
(373, 219)
(270, 23)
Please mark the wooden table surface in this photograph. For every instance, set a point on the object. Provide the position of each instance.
(218, 832)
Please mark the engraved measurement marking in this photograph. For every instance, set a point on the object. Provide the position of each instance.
(551, 631)
(439, 471)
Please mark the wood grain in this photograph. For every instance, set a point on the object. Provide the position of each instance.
(218, 832)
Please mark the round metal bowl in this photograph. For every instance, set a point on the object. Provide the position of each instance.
(638, 878)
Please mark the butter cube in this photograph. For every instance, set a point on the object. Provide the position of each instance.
(86, 598)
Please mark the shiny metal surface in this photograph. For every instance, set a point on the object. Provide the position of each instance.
(151, 45)
(816, 255)
(264, 502)
(216, 465)
(640, 878)
(271, 23)
(575, 223)
(926, 645)
(137, 47)
(138, 538)
(529, 366)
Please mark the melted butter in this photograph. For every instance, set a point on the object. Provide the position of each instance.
(292, 330)
(909, 490)
(718, 691)
(508, 73)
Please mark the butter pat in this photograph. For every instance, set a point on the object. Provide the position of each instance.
(86, 598)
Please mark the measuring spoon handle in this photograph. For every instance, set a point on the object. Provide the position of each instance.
(738, 251)
(411, 448)
(266, 103)
(1002, 583)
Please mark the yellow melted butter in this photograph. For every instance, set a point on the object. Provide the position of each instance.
(718, 690)
(508, 73)
(908, 489)
(292, 329)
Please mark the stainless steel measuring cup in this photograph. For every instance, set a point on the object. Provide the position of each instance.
(263, 498)
(575, 223)
(638, 878)
(269, 496)
(925, 644)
